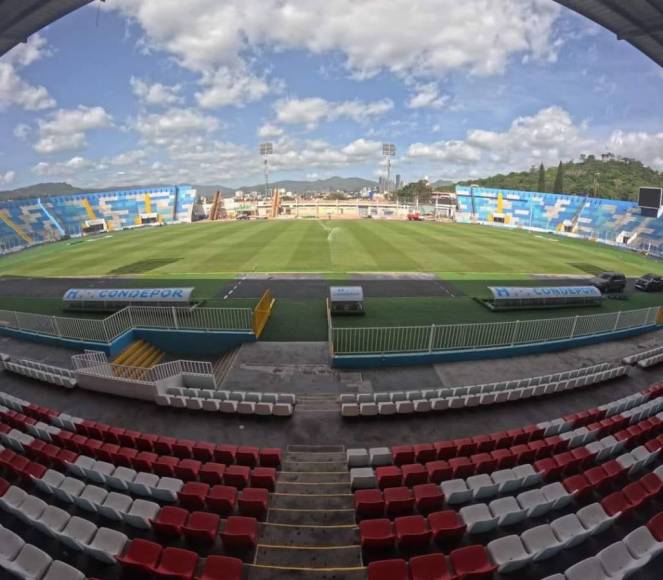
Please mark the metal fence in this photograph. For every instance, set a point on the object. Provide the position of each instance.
(438, 338)
(106, 330)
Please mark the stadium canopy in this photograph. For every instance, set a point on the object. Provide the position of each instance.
(639, 22)
(21, 18)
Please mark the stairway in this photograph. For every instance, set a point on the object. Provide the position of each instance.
(318, 403)
(223, 364)
(310, 529)
(20, 232)
(138, 355)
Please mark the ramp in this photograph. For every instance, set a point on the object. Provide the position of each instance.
(20, 232)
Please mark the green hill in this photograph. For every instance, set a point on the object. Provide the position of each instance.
(616, 179)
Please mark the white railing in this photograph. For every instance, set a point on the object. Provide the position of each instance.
(439, 338)
(106, 330)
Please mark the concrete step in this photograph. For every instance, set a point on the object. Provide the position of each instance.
(330, 476)
(319, 516)
(315, 448)
(322, 456)
(258, 572)
(337, 558)
(314, 466)
(322, 500)
(308, 535)
(312, 488)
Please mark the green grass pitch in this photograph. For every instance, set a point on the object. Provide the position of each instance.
(220, 250)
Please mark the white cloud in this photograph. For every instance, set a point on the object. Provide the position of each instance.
(431, 40)
(22, 131)
(268, 131)
(646, 147)
(428, 96)
(26, 53)
(7, 177)
(155, 94)
(164, 129)
(237, 87)
(62, 169)
(65, 129)
(313, 110)
(14, 91)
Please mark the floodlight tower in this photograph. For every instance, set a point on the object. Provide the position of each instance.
(266, 149)
(388, 151)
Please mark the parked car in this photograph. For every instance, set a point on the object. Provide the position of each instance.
(609, 282)
(649, 283)
(242, 216)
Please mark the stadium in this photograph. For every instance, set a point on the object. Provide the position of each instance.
(278, 385)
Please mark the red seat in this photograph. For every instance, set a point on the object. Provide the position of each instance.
(108, 452)
(164, 445)
(484, 443)
(164, 466)
(414, 474)
(221, 568)
(652, 484)
(539, 447)
(376, 534)
(90, 447)
(504, 458)
(237, 476)
(141, 556)
(461, 467)
(483, 463)
(17, 464)
(212, 473)
(369, 503)
(144, 461)
(613, 470)
(33, 470)
(578, 485)
(501, 440)
(655, 526)
(444, 449)
(533, 432)
(636, 495)
(583, 457)
(424, 452)
(113, 435)
(169, 521)
(221, 499)
(472, 562)
(429, 567)
(183, 448)
(518, 436)
(398, 501)
(64, 458)
(523, 453)
(247, 455)
(402, 454)
(548, 468)
(428, 497)
(438, 471)
(446, 526)
(240, 533)
(33, 450)
(253, 502)
(125, 456)
(412, 532)
(188, 469)
(567, 463)
(192, 495)
(270, 457)
(388, 570)
(202, 526)
(389, 476)
(130, 438)
(145, 441)
(555, 443)
(177, 564)
(264, 477)
(6, 458)
(203, 451)
(615, 503)
(465, 446)
(225, 454)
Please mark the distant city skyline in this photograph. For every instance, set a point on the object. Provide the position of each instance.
(139, 91)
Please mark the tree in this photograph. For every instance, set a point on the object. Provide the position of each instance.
(559, 179)
(541, 187)
(416, 190)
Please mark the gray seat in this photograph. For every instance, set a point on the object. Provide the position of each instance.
(507, 511)
(77, 533)
(91, 498)
(482, 486)
(13, 499)
(569, 530)
(508, 553)
(534, 502)
(587, 569)
(357, 457)
(380, 456)
(166, 489)
(31, 563)
(52, 520)
(618, 562)
(62, 571)
(541, 542)
(642, 544)
(115, 506)
(69, 489)
(49, 481)
(506, 480)
(141, 513)
(362, 478)
(143, 484)
(478, 518)
(106, 545)
(456, 491)
(10, 545)
(594, 518)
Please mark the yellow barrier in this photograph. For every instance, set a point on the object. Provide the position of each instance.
(262, 312)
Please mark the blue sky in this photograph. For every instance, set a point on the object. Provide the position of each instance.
(144, 91)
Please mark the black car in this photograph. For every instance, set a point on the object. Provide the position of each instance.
(609, 282)
(649, 283)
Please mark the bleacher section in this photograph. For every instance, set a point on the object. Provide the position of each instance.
(38, 220)
(605, 220)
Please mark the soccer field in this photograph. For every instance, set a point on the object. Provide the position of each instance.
(329, 247)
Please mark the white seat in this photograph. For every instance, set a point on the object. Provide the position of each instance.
(506, 480)
(143, 484)
(594, 518)
(404, 407)
(362, 478)
(52, 520)
(77, 533)
(440, 404)
(13, 499)
(569, 530)
(478, 518)
(534, 502)
(456, 491)
(387, 408)
(508, 553)
(282, 409)
(31, 509)
(369, 409)
(49, 481)
(10, 545)
(106, 545)
(350, 410)
(482, 486)
(557, 495)
(69, 489)
(527, 475)
(422, 406)
(642, 544)
(541, 542)
(264, 409)
(30, 564)
(166, 489)
(507, 511)
(228, 406)
(91, 498)
(618, 562)
(80, 466)
(141, 513)
(115, 506)
(211, 405)
(100, 471)
(194, 403)
(588, 569)
(121, 477)
(380, 456)
(357, 457)
(63, 571)
(246, 408)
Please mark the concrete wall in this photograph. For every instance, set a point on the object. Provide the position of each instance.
(117, 386)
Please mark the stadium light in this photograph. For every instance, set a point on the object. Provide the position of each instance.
(388, 151)
(266, 149)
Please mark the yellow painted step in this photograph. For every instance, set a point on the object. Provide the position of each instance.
(128, 352)
(137, 355)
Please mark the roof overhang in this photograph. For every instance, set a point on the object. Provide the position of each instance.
(639, 22)
(21, 18)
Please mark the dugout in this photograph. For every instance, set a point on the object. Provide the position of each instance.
(523, 298)
(114, 299)
(94, 227)
(346, 300)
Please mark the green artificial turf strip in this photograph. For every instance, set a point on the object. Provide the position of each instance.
(221, 250)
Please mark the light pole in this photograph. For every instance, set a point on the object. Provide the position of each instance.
(388, 151)
(266, 149)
